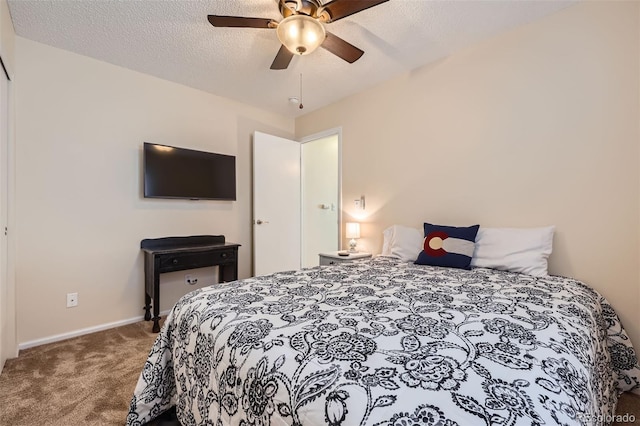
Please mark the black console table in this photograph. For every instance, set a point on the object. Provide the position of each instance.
(178, 254)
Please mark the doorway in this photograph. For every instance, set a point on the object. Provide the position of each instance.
(320, 197)
(296, 200)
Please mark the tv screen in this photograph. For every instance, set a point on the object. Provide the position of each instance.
(171, 172)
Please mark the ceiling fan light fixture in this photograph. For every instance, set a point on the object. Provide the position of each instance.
(301, 34)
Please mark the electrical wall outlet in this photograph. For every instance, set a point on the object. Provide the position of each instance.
(72, 300)
(189, 280)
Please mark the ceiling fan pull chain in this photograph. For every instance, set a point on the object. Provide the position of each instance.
(301, 106)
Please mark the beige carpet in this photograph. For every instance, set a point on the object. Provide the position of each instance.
(86, 380)
(89, 380)
(628, 404)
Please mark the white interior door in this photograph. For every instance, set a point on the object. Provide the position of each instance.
(276, 204)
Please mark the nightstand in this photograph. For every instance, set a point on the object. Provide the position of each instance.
(333, 258)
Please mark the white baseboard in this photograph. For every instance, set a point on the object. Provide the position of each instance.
(81, 332)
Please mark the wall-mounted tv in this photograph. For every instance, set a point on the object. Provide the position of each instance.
(172, 172)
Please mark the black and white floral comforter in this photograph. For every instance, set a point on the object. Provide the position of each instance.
(381, 342)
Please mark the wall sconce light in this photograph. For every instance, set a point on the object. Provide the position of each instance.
(353, 232)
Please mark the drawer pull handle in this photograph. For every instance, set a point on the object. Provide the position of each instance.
(224, 255)
(175, 261)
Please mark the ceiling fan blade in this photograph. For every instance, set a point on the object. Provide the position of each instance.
(283, 59)
(242, 22)
(338, 9)
(341, 48)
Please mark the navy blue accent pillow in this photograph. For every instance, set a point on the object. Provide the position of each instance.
(448, 246)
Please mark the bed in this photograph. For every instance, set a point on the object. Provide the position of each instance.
(386, 342)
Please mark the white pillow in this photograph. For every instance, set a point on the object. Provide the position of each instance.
(387, 236)
(523, 250)
(402, 242)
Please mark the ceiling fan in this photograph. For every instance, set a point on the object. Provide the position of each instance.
(302, 29)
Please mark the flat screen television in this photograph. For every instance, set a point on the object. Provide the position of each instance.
(172, 172)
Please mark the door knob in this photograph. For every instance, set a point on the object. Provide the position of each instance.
(260, 222)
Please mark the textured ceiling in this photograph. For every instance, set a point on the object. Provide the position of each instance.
(173, 40)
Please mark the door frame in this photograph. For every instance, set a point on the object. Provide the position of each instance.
(8, 320)
(336, 131)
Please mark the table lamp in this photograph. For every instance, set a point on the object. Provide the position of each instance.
(353, 232)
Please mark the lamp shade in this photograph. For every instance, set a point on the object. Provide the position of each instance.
(353, 230)
(301, 34)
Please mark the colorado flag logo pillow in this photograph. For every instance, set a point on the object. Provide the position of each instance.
(448, 246)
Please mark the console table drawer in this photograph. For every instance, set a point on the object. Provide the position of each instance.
(225, 256)
(179, 262)
(182, 261)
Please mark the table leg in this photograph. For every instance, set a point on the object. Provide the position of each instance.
(228, 273)
(147, 307)
(156, 303)
(221, 274)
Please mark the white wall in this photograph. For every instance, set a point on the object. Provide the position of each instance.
(80, 211)
(536, 126)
